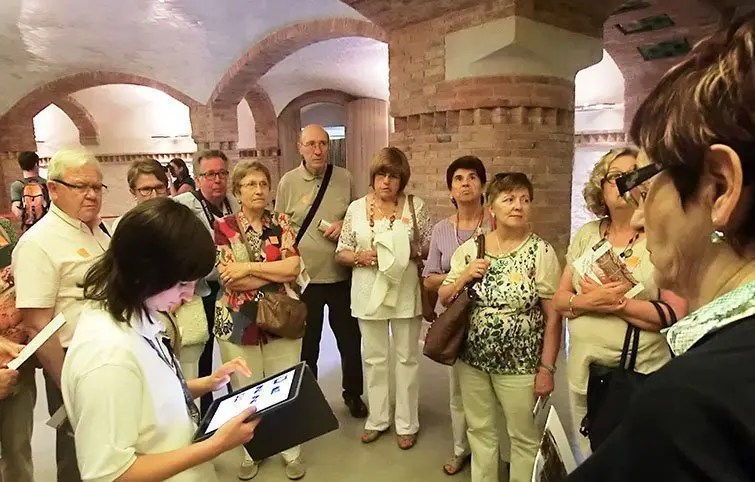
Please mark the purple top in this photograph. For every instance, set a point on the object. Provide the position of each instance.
(443, 243)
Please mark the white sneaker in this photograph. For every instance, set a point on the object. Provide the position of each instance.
(295, 469)
(248, 469)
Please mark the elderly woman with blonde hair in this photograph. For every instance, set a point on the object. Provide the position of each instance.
(599, 314)
(384, 235)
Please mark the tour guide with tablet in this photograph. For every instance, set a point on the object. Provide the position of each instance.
(292, 407)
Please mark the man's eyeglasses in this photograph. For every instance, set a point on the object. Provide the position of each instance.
(313, 144)
(215, 174)
(82, 188)
(147, 191)
(631, 185)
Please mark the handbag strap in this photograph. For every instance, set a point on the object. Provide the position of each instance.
(415, 235)
(635, 349)
(625, 348)
(315, 204)
(658, 304)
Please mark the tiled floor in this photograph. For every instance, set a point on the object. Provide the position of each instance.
(339, 456)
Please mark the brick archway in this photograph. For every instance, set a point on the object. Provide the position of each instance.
(329, 96)
(259, 59)
(82, 119)
(17, 126)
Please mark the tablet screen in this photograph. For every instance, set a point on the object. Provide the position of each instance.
(262, 396)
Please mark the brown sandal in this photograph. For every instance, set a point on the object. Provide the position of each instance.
(405, 442)
(369, 436)
(456, 464)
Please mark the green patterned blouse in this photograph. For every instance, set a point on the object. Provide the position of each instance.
(507, 323)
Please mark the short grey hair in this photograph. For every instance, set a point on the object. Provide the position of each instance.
(243, 169)
(66, 159)
(208, 154)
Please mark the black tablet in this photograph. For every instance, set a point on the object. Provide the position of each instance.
(268, 395)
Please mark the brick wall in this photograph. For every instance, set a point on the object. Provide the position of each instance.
(531, 131)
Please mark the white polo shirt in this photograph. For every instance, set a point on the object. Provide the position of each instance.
(49, 264)
(122, 399)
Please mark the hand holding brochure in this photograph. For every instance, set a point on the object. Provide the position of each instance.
(601, 264)
(37, 341)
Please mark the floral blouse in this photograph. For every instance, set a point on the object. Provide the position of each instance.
(507, 323)
(235, 310)
(10, 316)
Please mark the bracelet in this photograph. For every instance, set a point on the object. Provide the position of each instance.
(571, 305)
(357, 264)
(550, 368)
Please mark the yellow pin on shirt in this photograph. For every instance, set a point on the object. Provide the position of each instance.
(632, 262)
(515, 277)
(83, 253)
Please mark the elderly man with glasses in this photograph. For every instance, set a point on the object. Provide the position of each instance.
(209, 202)
(49, 264)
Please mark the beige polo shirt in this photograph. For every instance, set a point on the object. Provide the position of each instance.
(296, 192)
(49, 264)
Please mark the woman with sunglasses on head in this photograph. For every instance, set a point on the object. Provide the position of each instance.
(693, 420)
(599, 314)
(128, 402)
(385, 292)
(514, 331)
(466, 178)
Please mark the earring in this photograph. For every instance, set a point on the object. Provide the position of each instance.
(717, 237)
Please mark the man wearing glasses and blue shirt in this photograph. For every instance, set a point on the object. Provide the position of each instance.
(209, 203)
(49, 264)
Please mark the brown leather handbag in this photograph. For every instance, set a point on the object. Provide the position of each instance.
(449, 331)
(277, 313)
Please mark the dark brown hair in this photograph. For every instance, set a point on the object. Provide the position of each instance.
(507, 182)
(157, 245)
(706, 99)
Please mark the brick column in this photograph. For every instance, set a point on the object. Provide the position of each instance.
(366, 133)
(498, 88)
(215, 128)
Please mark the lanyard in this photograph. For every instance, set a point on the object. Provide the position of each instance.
(173, 364)
(209, 212)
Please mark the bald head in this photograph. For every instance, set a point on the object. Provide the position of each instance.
(314, 144)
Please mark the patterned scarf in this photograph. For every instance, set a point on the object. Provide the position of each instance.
(724, 310)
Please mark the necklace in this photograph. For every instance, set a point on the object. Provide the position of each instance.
(476, 231)
(391, 219)
(628, 251)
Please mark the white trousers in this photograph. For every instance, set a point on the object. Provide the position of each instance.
(263, 360)
(376, 336)
(458, 419)
(578, 404)
(481, 393)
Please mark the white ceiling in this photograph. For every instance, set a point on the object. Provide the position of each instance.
(355, 65)
(188, 44)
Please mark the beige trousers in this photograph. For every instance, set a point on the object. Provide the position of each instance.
(189, 360)
(263, 360)
(481, 392)
(16, 422)
(376, 353)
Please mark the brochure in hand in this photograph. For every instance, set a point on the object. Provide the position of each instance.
(602, 265)
(554, 459)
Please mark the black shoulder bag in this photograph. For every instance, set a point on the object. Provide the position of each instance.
(610, 389)
(315, 204)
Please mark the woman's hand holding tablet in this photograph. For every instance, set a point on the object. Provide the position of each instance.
(237, 431)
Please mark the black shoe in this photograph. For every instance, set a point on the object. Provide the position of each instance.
(356, 406)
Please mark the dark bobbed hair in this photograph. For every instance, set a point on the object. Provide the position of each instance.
(706, 99)
(183, 170)
(470, 163)
(158, 244)
(28, 160)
